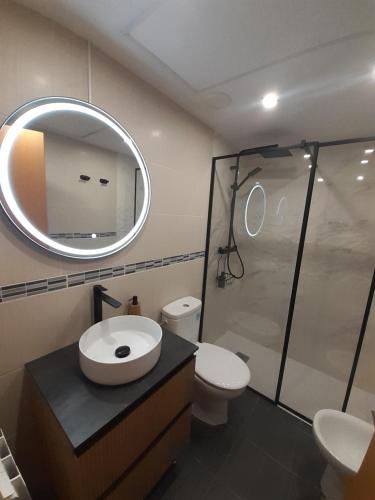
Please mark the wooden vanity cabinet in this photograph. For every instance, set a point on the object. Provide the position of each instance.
(124, 462)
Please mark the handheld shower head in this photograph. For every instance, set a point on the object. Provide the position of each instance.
(254, 171)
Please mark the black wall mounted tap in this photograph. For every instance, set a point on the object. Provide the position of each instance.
(99, 298)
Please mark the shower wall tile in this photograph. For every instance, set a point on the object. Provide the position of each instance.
(249, 315)
(336, 273)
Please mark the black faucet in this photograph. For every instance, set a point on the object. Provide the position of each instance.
(99, 298)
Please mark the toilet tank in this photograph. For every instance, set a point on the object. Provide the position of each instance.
(182, 317)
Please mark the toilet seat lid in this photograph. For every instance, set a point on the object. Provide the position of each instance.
(220, 367)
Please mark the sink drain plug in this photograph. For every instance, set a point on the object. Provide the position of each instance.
(122, 351)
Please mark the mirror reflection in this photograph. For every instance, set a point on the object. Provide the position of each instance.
(75, 179)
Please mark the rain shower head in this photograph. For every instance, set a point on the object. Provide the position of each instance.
(275, 152)
(270, 151)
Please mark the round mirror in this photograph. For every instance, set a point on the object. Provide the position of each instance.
(255, 210)
(71, 178)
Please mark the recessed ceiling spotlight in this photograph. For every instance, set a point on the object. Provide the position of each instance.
(368, 151)
(360, 178)
(320, 179)
(364, 162)
(93, 235)
(310, 165)
(306, 155)
(270, 100)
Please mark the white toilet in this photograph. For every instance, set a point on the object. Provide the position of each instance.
(220, 375)
(343, 441)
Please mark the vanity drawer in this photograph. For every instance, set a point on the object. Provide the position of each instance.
(115, 452)
(143, 476)
(88, 475)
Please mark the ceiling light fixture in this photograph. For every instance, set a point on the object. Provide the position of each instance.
(360, 178)
(310, 165)
(320, 179)
(306, 155)
(368, 151)
(270, 100)
(364, 162)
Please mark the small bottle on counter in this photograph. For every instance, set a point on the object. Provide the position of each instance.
(134, 306)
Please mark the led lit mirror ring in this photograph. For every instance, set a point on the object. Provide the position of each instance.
(20, 119)
(257, 186)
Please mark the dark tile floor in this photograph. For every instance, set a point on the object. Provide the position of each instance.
(263, 453)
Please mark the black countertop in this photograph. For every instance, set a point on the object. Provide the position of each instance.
(84, 409)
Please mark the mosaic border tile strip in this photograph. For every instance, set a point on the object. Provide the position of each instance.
(20, 290)
(70, 236)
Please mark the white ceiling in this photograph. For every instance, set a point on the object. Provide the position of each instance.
(217, 58)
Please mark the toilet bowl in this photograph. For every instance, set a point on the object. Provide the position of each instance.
(220, 375)
(343, 441)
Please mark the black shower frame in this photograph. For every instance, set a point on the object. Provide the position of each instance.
(315, 147)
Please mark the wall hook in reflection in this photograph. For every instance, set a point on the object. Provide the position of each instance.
(104, 181)
(84, 177)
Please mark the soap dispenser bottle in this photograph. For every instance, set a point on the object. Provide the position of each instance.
(134, 306)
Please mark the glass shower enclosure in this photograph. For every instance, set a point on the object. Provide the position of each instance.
(289, 288)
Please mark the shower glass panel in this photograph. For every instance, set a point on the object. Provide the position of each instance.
(248, 316)
(334, 283)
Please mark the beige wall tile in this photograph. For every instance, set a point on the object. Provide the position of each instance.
(179, 192)
(157, 287)
(41, 58)
(180, 185)
(21, 260)
(10, 395)
(38, 57)
(49, 322)
(163, 235)
(164, 132)
(34, 326)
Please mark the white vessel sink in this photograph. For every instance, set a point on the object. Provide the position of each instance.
(120, 349)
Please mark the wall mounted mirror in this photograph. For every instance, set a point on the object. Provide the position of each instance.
(71, 178)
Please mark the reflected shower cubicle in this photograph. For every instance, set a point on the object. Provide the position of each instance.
(289, 272)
